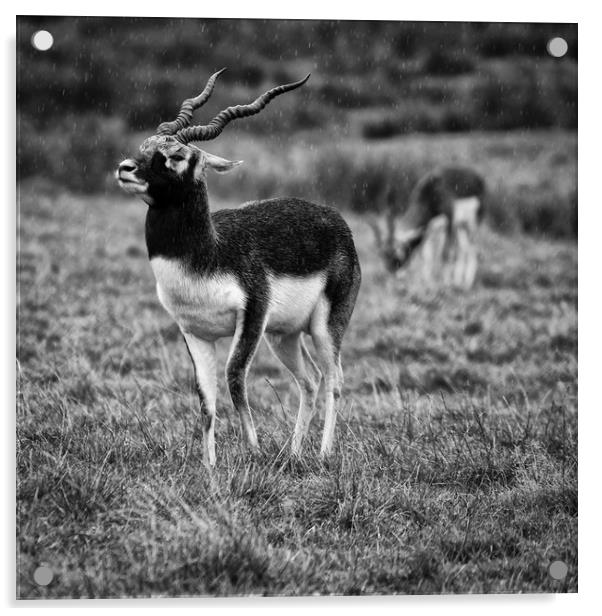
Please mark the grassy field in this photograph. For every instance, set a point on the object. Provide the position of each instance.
(456, 454)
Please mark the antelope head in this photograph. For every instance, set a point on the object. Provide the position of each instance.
(395, 247)
(167, 165)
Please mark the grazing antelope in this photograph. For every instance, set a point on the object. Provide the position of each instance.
(278, 267)
(445, 209)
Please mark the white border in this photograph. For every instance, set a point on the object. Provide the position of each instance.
(589, 303)
(435, 10)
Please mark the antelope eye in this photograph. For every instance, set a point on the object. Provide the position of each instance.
(177, 157)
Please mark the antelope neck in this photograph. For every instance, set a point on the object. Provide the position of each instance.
(181, 228)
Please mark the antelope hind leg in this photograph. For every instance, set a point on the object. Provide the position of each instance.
(289, 350)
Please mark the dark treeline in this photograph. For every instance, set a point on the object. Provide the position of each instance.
(385, 78)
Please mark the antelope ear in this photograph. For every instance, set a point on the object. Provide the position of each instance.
(221, 165)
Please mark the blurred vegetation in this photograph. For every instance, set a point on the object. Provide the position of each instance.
(531, 177)
(490, 75)
(84, 104)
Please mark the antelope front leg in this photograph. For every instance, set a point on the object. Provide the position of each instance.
(428, 260)
(250, 325)
(471, 264)
(433, 249)
(202, 354)
(459, 257)
(463, 276)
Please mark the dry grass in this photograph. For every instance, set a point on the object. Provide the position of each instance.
(456, 456)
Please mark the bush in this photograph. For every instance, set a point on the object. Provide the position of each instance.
(526, 95)
(532, 211)
(411, 118)
(141, 69)
(448, 62)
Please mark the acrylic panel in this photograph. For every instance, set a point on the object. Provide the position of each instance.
(183, 425)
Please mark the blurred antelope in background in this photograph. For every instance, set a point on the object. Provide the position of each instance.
(278, 267)
(441, 220)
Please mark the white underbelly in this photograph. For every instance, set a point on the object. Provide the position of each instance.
(292, 302)
(207, 306)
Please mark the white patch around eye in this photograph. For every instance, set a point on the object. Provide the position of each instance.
(179, 166)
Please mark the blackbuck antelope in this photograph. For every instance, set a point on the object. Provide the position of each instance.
(278, 267)
(444, 211)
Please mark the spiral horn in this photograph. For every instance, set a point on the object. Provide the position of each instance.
(215, 127)
(188, 106)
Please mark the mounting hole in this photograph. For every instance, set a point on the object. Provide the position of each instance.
(558, 570)
(557, 47)
(42, 40)
(43, 575)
